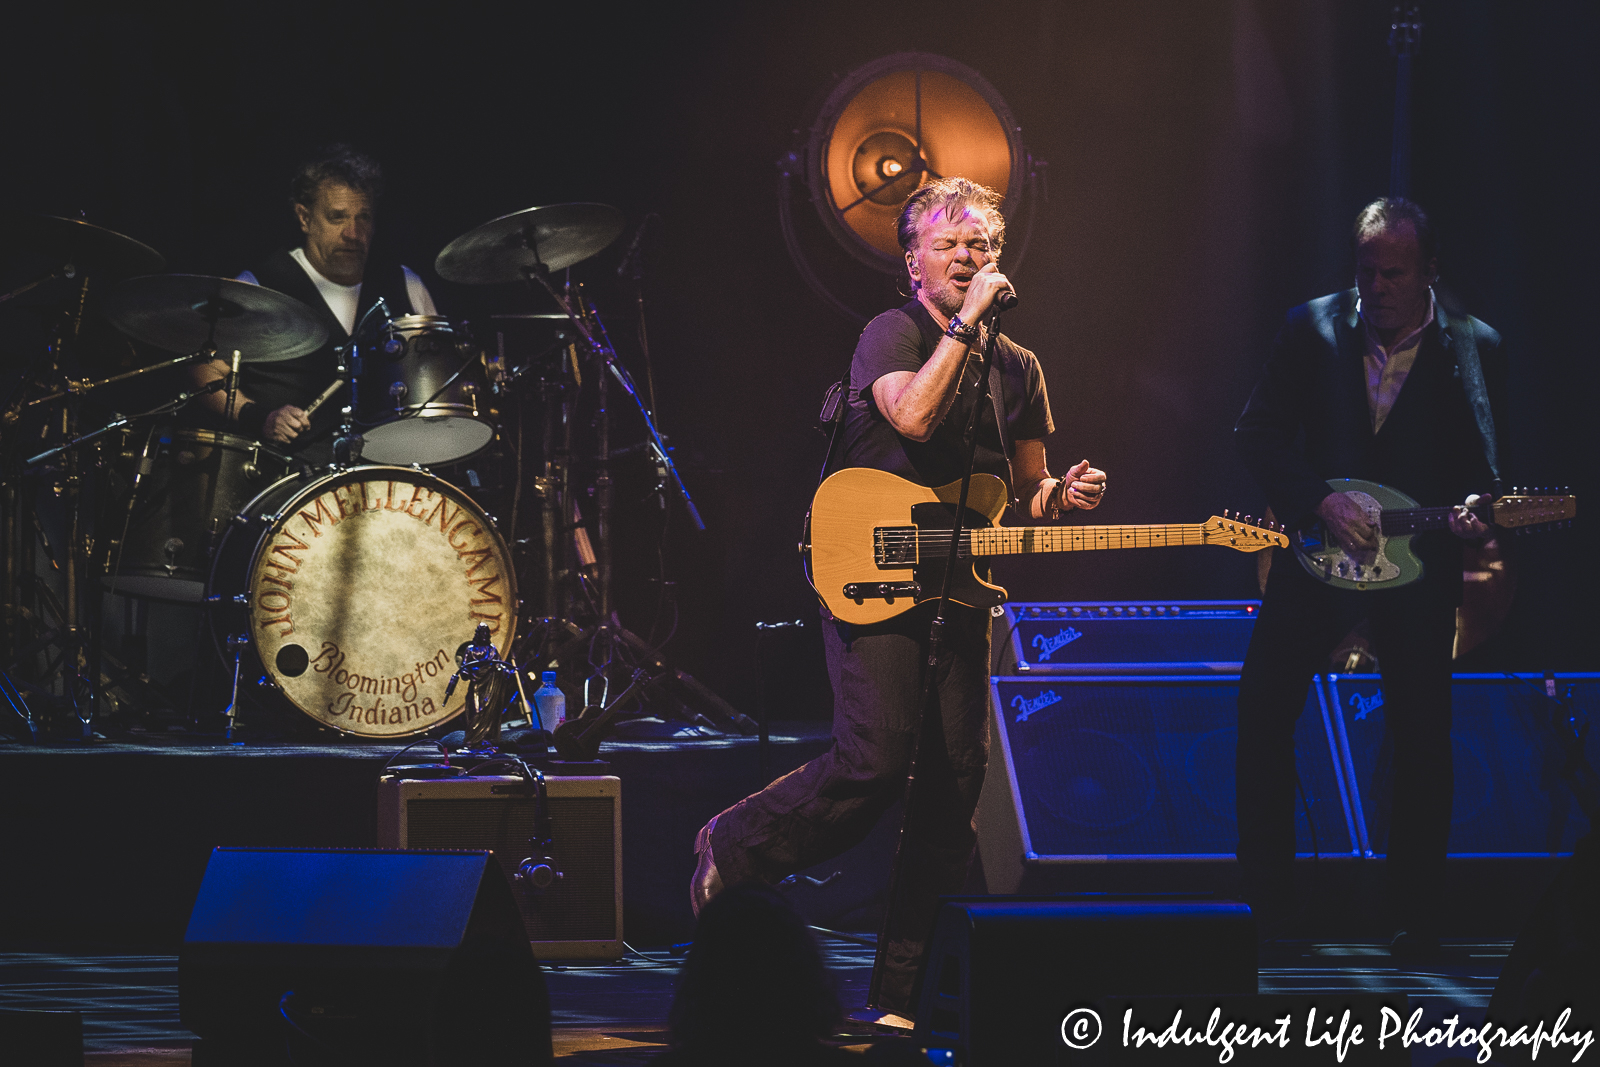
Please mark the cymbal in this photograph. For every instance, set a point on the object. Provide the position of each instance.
(504, 249)
(91, 249)
(176, 312)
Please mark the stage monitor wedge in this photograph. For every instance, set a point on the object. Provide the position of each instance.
(358, 956)
(1003, 972)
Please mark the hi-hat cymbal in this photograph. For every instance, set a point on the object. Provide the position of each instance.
(505, 249)
(90, 249)
(180, 312)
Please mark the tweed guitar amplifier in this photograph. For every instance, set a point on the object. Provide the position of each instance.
(1127, 637)
(580, 915)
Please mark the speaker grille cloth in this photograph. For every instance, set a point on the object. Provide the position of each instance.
(1141, 767)
(581, 906)
(1509, 795)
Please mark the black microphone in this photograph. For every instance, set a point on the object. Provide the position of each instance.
(1006, 299)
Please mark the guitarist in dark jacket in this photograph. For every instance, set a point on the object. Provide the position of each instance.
(1378, 383)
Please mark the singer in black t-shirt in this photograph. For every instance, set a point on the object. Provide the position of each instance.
(912, 383)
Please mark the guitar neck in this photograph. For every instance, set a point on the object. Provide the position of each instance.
(1398, 521)
(1022, 540)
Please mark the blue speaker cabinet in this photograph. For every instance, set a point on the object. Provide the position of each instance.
(1092, 769)
(1510, 798)
(1127, 636)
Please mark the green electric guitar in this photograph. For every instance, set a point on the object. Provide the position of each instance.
(1398, 517)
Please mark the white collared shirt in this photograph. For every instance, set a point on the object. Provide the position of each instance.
(1387, 366)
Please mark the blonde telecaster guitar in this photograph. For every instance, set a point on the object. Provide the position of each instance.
(877, 543)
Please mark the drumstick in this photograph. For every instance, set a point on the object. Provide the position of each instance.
(327, 395)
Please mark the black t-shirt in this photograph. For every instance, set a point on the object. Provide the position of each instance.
(903, 340)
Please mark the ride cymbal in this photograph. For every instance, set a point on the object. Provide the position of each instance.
(506, 249)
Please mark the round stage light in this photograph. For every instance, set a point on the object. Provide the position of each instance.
(885, 129)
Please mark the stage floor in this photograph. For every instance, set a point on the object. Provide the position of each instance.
(615, 1015)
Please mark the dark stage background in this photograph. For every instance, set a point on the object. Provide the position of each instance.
(1205, 160)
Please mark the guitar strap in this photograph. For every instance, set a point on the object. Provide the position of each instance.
(833, 407)
(833, 412)
(1464, 342)
(997, 396)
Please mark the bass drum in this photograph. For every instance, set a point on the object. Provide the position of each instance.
(357, 588)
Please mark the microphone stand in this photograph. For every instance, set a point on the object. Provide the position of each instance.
(930, 668)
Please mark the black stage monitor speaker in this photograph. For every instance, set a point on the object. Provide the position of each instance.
(358, 956)
(1002, 974)
(1095, 769)
(1510, 798)
(1127, 636)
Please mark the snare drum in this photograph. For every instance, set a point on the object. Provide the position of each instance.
(185, 486)
(356, 589)
(425, 395)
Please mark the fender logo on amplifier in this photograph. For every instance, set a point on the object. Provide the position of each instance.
(1365, 705)
(1047, 645)
(1026, 707)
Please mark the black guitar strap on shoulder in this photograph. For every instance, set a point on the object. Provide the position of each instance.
(833, 411)
(1464, 345)
(997, 394)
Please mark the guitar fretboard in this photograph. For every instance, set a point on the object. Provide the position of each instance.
(1018, 540)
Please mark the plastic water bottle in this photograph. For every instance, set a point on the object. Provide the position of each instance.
(550, 703)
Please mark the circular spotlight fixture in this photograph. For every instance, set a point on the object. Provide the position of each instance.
(885, 129)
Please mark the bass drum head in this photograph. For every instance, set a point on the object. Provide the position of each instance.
(427, 437)
(362, 586)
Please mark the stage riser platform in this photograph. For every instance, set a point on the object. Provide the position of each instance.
(106, 846)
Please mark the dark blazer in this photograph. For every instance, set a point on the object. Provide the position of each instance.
(1308, 419)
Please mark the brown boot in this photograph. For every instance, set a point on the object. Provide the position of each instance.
(706, 882)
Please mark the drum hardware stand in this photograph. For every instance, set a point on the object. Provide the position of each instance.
(236, 645)
(78, 663)
(13, 698)
(608, 634)
(347, 446)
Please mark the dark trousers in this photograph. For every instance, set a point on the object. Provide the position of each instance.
(1413, 629)
(823, 808)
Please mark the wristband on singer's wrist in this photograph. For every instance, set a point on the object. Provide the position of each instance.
(966, 333)
(1058, 501)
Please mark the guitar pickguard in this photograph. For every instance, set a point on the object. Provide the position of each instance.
(1327, 561)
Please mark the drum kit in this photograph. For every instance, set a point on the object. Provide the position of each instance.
(354, 588)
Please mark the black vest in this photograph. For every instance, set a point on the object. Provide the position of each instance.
(299, 381)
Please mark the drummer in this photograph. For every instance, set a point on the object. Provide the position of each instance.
(334, 196)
